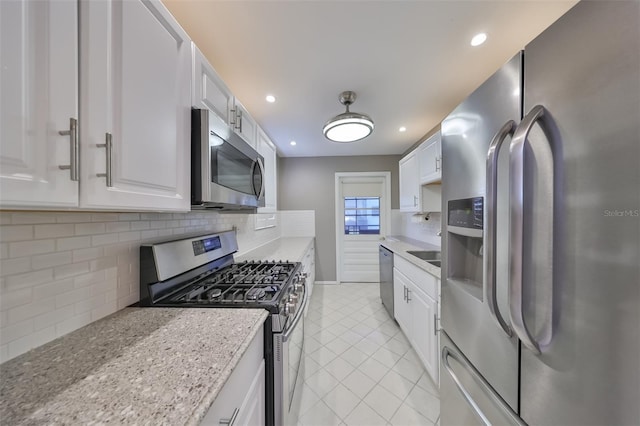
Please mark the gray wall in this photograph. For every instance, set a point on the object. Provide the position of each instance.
(308, 183)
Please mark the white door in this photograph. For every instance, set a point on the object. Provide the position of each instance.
(38, 100)
(135, 71)
(362, 221)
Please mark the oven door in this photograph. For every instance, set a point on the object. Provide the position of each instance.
(289, 369)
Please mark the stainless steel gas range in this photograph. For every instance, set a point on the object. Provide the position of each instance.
(201, 272)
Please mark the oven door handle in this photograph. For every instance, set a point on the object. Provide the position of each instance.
(299, 315)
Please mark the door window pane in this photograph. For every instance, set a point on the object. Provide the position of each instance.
(362, 215)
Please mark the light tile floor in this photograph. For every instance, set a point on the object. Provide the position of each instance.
(360, 368)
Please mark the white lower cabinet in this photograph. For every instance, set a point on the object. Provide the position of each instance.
(241, 401)
(415, 294)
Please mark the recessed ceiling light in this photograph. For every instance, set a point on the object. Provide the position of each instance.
(270, 98)
(478, 39)
(402, 129)
(292, 143)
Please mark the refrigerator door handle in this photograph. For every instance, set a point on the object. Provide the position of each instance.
(516, 222)
(492, 206)
(484, 385)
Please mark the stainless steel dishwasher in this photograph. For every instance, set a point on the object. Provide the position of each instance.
(386, 279)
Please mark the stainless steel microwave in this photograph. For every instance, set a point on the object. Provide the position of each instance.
(226, 172)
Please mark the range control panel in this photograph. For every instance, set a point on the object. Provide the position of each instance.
(205, 245)
(466, 213)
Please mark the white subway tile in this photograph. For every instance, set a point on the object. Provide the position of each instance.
(105, 262)
(73, 217)
(111, 273)
(54, 317)
(20, 346)
(158, 224)
(53, 231)
(73, 243)
(12, 299)
(14, 266)
(4, 353)
(5, 218)
(107, 308)
(88, 254)
(53, 289)
(128, 216)
(31, 310)
(152, 216)
(88, 279)
(128, 300)
(15, 331)
(139, 225)
(29, 248)
(129, 236)
(4, 250)
(105, 217)
(89, 228)
(87, 305)
(71, 297)
(49, 260)
(117, 226)
(29, 279)
(148, 235)
(73, 323)
(25, 218)
(72, 270)
(104, 239)
(9, 233)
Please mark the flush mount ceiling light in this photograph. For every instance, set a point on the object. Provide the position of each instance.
(348, 126)
(478, 39)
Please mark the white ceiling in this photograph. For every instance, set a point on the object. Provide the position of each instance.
(409, 62)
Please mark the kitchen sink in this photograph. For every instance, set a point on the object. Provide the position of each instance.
(428, 255)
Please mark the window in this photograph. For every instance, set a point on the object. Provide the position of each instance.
(362, 215)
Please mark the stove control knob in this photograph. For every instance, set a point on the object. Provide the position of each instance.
(293, 298)
(297, 287)
(289, 308)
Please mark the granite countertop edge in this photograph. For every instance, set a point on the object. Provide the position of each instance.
(137, 365)
(400, 245)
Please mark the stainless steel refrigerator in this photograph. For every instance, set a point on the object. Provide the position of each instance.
(541, 238)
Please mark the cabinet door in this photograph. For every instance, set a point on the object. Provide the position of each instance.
(424, 337)
(135, 70)
(268, 152)
(252, 410)
(244, 124)
(401, 309)
(409, 185)
(209, 91)
(430, 160)
(39, 97)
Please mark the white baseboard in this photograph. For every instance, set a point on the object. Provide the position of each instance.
(326, 282)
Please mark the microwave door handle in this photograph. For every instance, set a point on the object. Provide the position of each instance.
(492, 209)
(259, 193)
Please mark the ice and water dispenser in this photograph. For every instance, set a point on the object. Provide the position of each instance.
(464, 248)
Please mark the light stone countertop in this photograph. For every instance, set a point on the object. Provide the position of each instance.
(399, 245)
(287, 248)
(155, 366)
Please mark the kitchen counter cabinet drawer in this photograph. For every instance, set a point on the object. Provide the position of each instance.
(242, 397)
(422, 279)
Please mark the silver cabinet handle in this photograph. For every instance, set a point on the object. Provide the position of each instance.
(240, 120)
(487, 389)
(408, 299)
(232, 420)
(232, 117)
(492, 224)
(435, 324)
(262, 187)
(415, 201)
(516, 195)
(108, 146)
(73, 165)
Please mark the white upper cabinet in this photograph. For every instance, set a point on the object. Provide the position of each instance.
(409, 185)
(209, 91)
(268, 151)
(39, 99)
(430, 159)
(135, 69)
(244, 124)
(131, 147)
